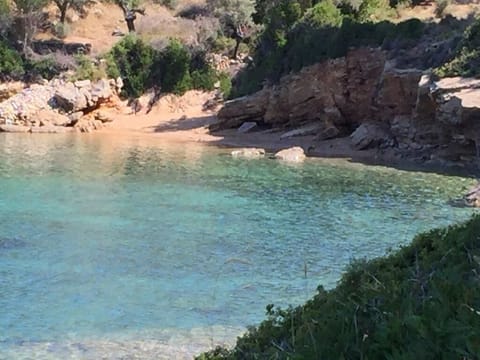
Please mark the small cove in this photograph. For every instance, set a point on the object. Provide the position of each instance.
(108, 245)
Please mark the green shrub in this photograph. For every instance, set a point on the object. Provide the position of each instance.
(225, 85)
(466, 61)
(421, 302)
(323, 14)
(374, 10)
(86, 69)
(46, 68)
(133, 60)
(11, 63)
(176, 62)
(175, 69)
(61, 30)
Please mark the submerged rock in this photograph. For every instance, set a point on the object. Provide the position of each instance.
(249, 153)
(294, 154)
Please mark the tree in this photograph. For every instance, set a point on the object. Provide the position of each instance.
(77, 5)
(235, 17)
(5, 16)
(29, 13)
(130, 12)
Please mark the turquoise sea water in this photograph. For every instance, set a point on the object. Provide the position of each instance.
(113, 247)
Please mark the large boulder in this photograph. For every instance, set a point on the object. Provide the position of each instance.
(54, 118)
(368, 136)
(294, 154)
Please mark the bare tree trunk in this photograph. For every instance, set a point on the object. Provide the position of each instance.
(130, 25)
(237, 45)
(63, 12)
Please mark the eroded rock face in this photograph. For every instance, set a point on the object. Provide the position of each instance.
(57, 104)
(327, 93)
(365, 96)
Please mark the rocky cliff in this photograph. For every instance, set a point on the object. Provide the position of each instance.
(59, 106)
(366, 97)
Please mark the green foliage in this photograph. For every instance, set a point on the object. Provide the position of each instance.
(5, 16)
(466, 61)
(171, 4)
(46, 68)
(61, 30)
(11, 64)
(176, 62)
(323, 14)
(322, 33)
(29, 6)
(175, 69)
(133, 60)
(225, 85)
(232, 12)
(374, 10)
(422, 302)
(86, 69)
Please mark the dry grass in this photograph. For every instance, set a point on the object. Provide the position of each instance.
(427, 12)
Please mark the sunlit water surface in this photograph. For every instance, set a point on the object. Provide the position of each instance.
(120, 247)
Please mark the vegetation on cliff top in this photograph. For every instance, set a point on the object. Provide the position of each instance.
(282, 36)
(421, 302)
(467, 55)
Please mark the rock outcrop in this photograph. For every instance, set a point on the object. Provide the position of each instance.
(51, 107)
(365, 96)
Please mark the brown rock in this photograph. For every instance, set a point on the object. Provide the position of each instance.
(51, 117)
(368, 136)
(87, 124)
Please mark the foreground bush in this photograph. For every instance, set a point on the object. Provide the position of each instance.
(422, 302)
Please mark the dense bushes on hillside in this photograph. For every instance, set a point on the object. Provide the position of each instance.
(422, 302)
(321, 34)
(467, 59)
(174, 69)
(15, 67)
(11, 63)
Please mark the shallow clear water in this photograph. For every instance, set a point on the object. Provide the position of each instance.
(112, 244)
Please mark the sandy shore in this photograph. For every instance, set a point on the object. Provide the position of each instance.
(182, 119)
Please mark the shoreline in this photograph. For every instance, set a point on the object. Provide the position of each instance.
(191, 126)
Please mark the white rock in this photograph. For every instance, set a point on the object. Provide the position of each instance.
(294, 154)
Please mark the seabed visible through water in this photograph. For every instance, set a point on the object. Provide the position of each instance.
(113, 247)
